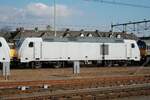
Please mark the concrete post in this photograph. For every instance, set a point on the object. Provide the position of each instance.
(6, 69)
(76, 67)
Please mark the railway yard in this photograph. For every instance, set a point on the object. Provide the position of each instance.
(74, 68)
(93, 83)
(66, 50)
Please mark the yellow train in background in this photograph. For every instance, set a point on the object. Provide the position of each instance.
(13, 51)
(148, 50)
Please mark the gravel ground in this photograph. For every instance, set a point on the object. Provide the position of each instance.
(67, 73)
(134, 98)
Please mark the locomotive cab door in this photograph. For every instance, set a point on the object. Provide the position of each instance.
(129, 51)
(37, 50)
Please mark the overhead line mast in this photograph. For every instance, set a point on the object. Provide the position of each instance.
(135, 26)
(55, 32)
(121, 3)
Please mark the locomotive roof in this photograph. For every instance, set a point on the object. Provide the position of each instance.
(85, 39)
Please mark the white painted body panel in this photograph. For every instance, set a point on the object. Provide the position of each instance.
(70, 51)
(116, 51)
(4, 51)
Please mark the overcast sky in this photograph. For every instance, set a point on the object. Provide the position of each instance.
(72, 12)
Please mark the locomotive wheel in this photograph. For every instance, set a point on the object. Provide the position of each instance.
(36, 65)
(58, 65)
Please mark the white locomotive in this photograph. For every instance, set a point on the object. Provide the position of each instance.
(4, 51)
(5, 57)
(77, 49)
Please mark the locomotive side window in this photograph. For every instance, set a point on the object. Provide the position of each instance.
(104, 50)
(132, 45)
(31, 44)
(0, 44)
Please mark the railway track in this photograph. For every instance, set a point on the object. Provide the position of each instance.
(82, 94)
(100, 81)
(102, 87)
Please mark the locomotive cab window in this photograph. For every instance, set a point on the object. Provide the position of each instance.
(0, 44)
(132, 45)
(31, 44)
